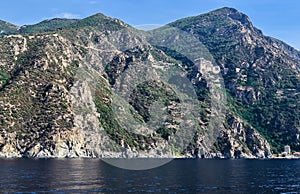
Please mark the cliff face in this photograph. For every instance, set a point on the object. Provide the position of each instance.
(98, 88)
(35, 108)
(261, 74)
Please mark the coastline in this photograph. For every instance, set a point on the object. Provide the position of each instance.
(290, 157)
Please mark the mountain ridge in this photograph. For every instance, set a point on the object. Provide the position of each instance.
(52, 25)
(7, 28)
(223, 9)
(253, 59)
(261, 77)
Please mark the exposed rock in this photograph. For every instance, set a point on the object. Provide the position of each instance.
(62, 91)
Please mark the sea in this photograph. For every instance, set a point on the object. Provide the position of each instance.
(177, 176)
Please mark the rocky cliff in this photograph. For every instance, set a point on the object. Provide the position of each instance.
(261, 74)
(97, 87)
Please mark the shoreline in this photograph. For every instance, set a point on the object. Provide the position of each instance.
(175, 158)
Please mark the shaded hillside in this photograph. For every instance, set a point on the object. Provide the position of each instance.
(260, 73)
(7, 28)
(96, 87)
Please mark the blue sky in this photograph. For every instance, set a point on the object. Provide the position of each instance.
(277, 18)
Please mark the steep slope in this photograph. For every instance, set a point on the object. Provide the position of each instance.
(57, 99)
(96, 87)
(7, 28)
(35, 110)
(41, 90)
(260, 73)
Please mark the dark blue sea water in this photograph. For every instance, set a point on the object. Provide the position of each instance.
(178, 176)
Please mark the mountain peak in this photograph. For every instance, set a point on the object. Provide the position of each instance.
(98, 21)
(225, 17)
(234, 15)
(97, 16)
(94, 20)
(227, 9)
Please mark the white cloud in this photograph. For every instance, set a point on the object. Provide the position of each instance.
(93, 2)
(67, 15)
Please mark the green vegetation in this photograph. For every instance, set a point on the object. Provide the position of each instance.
(275, 113)
(273, 118)
(262, 83)
(7, 28)
(33, 102)
(166, 132)
(98, 22)
(4, 77)
(47, 26)
(111, 125)
(149, 92)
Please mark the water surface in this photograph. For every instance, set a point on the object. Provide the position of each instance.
(178, 176)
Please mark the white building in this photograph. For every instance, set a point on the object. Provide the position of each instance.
(287, 149)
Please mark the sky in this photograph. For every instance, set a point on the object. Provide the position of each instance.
(276, 18)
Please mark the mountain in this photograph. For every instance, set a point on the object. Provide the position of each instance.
(7, 28)
(58, 24)
(206, 86)
(47, 26)
(261, 73)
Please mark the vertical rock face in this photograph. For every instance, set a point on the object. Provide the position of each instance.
(92, 88)
(260, 73)
(242, 141)
(36, 110)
